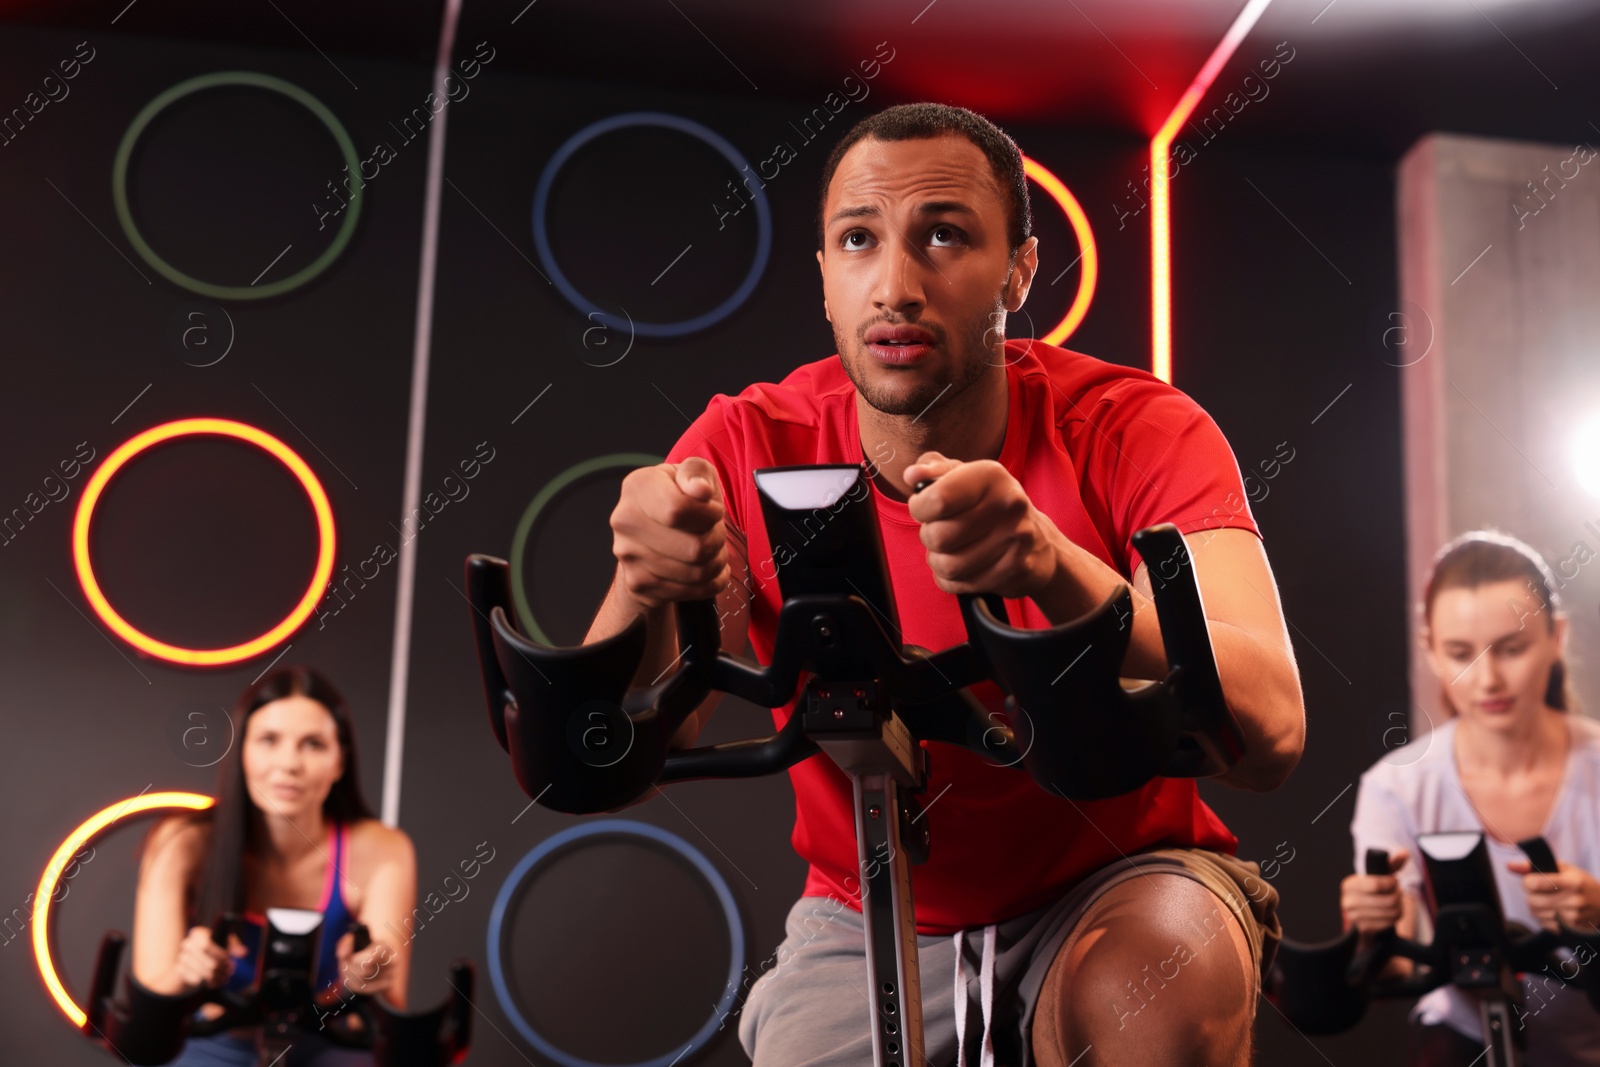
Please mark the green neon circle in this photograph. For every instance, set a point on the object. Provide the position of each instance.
(119, 185)
(519, 543)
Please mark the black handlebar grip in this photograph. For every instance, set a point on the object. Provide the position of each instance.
(1367, 963)
(1540, 856)
(226, 923)
(105, 979)
(487, 587)
(462, 978)
(362, 937)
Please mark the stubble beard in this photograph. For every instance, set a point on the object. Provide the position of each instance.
(972, 359)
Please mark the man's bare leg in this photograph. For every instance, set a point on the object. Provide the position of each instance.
(1158, 972)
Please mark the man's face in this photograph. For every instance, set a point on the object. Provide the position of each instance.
(916, 277)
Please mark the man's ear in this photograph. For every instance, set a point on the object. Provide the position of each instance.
(1024, 265)
(825, 312)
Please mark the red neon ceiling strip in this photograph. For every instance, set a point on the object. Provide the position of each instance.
(1160, 202)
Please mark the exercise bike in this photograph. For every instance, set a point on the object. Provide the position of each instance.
(150, 1028)
(1325, 988)
(866, 704)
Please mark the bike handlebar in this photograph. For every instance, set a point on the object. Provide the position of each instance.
(582, 741)
(149, 1028)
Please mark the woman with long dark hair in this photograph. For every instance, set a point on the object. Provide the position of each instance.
(1512, 762)
(289, 829)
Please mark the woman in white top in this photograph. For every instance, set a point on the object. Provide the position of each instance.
(1512, 763)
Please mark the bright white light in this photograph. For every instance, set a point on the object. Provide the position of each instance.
(1586, 456)
(806, 489)
(1454, 845)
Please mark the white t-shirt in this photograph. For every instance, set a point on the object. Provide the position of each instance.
(1406, 793)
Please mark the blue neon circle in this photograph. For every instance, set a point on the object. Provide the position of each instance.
(541, 235)
(626, 828)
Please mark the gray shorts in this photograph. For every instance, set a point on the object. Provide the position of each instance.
(810, 1008)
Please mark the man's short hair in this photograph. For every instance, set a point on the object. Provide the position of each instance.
(909, 122)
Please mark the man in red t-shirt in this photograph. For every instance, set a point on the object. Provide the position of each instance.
(1120, 931)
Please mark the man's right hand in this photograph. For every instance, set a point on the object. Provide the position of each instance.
(1372, 902)
(669, 534)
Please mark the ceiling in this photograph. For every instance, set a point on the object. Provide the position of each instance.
(1366, 77)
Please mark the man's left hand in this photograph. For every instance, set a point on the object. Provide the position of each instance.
(982, 533)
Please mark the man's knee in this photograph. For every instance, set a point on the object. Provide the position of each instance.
(1159, 967)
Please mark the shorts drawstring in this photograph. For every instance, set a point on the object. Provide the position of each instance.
(985, 999)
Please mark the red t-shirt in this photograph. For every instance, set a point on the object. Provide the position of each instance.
(1105, 451)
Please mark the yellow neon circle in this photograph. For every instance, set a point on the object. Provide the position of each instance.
(1091, 257)
(180, 428)
(92, 827)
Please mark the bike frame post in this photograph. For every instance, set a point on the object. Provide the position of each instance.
(894, 977)
(852, 722)
(1500, 1048)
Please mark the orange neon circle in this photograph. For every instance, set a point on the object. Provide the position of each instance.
(211, 656)
(92, 827)
(1091, 257)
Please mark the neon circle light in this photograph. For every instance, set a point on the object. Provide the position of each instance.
(1090, 254)
(92, 827)
(708, 136)
(141, 121)
(212, 656)
(530, 515)
(624, 828)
